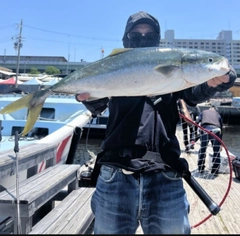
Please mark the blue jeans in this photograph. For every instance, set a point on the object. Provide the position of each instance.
(156, 200)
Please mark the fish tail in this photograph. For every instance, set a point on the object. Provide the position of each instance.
(34, 102)
(33, 114)
(17, 105)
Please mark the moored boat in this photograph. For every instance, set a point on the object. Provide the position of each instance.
(61, 115)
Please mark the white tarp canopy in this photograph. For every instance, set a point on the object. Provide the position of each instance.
(33, 81)
(52, 82)
(7, 72)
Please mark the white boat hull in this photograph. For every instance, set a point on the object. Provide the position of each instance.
(68, 114)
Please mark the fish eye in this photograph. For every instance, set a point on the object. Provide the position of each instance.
(210, 60)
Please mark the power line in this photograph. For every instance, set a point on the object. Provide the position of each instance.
(64, 42)
(7, 26)
(72, 35)
(6, 39)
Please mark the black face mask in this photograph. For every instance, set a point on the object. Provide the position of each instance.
(141, 42)
(144, 42)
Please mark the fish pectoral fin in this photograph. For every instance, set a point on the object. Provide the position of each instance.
(33, 115)
(17, 105)
(118, 51)
(166, 70)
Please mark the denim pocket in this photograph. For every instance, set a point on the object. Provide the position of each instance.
(107, 173)
(172, 175)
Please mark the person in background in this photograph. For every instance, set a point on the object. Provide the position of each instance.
(210, 120)
(140, 179)
(194, 112)
(190, 131)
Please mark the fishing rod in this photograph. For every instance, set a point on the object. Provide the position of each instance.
(212, 206)
(1, 130)
(16, 150)
(196, 187)
(205, 197)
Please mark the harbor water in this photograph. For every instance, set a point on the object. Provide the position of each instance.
(231, 138)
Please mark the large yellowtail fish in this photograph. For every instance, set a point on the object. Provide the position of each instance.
(130, 72)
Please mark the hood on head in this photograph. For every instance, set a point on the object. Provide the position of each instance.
(140, 18)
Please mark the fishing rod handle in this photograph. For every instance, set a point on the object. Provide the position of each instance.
(206, 199)
(16, 146)
(0, 130)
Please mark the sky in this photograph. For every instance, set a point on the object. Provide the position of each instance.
(91, 29)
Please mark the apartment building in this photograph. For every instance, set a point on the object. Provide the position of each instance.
(223, 45)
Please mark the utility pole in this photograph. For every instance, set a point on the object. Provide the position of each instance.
(18, 45)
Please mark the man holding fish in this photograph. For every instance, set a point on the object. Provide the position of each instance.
(140, 180)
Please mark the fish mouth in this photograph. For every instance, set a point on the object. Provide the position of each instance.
(219, 68)
(224, 65)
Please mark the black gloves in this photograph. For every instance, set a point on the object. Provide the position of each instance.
(96, 107)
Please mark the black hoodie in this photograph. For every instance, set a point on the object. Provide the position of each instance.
(137, 122)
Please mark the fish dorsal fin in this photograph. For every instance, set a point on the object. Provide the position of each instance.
(119, 50)
(166, 70)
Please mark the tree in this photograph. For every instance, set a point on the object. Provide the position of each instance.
(34, 71)
(51, 70)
